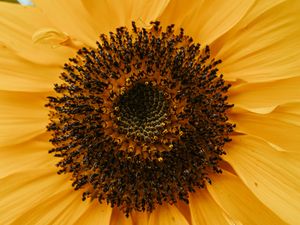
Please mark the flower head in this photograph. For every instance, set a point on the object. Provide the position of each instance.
(162, 112)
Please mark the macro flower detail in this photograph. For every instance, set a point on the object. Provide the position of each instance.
(140, 120)
(150, 112)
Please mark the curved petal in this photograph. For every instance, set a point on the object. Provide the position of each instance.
(28, 155)
(205, 210)
(176, 11)
(184, 209)
(264, 46)
(213, 18)
(167, 214)
(71, 18)
(17, 26)
(118, 218)
(22, 116)
(74, 208)
(273, 176)
(266, 95)
(239, 202)
(140, 218)
(271, 127)
(95, 214)
(62, 208)
(27, 189)
(18, 74)
(122, 13)
(204, 20)
(48, 211)
(289, 112)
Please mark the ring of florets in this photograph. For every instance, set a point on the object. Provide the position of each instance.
(141, 119)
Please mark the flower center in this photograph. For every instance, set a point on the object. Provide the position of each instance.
(142, 113)
(141, 119)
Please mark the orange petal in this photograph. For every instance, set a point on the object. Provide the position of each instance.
(273, 176)
(70, 18)
(140, 218)
(266, 95)
(176, 12)
(167, 214)
(22, 116)
(74, 209)
(289, 112)
(184, 209)
(205, 210)
(95, 214)
(264, 46)
(212, 19)
(122, 13)
(271, 127)
(24, 190)
(18, 74)
(17, 26)
(48, 211)
(239, 202)
(28, 155)
(119, 218)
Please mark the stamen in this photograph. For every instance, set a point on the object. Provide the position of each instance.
(141, 119)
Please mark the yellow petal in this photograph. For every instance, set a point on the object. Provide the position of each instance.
(119, 218)
(95, 214)
(26, 156)
(122, 13)
(232, 221)
(289, 112)
(77, 208)
(254, 96)
(140, 218)
(49, 35)
(26, 189)
(167, 214)
(176, 11)
(264, 46)
(205, 210)
(257, 9)
(239, 202)
(273, 176)
(211, 19)
(18, 24)
(22, 116)
(184, 209)
(18, 74)
(48, 211)
(70, 18)
(271, 127)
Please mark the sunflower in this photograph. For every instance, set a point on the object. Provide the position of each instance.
(150, 112)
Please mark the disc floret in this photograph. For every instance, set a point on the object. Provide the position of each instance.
(141, 119)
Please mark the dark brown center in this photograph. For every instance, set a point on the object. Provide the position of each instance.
(141, 119)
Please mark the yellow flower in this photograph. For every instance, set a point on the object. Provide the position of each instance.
(259, 44)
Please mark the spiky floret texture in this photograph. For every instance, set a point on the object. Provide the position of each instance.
(141, 119)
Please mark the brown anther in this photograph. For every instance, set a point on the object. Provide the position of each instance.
(128, 81)
(140, 120)
(165, 131)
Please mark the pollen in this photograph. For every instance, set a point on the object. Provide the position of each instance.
(140, 120)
